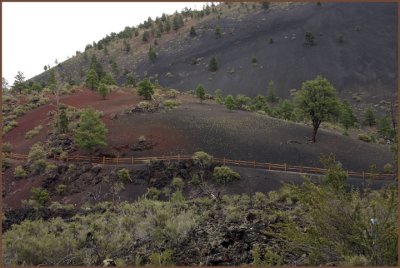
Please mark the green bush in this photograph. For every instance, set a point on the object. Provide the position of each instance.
(7, 147)
(33, 132)
(388, 168)
(5, 164)
(161, 259)
(225, 175)
(37, 158)
(364, 137)
(41, 196)
(61, 189)
(153, 193)
(178, 183)
(171, 103)
(202, 159)
(19, 172)
(123, 175)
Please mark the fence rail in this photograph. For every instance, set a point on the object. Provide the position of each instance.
(224, 161)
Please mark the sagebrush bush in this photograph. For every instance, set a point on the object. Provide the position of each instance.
(6, 147)
(225, 175)
(33, 132)
(388, 168)
(171, 103)
(202, 159)
(37, 158)
(364, 137)
(19, 172)
(178, 183)
(123, 175)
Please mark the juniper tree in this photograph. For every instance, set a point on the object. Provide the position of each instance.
(146, 89)
(200, 92)
(92, 79)
(318, 100)
(213, 64)
(369, 117)
(91, 131)
(229, 102)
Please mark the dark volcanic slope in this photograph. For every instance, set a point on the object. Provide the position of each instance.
(365, 61)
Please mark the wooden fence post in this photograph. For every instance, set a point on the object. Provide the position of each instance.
(254, 163)
(285, 167)
(224, 161)
(269, 166)
(363, 175)
(132, 159)
(179, 158)
(104, 160)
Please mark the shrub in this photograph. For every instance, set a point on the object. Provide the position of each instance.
(213, 66)
(153, 193)
(364, 137)
(202, 159)
(161, 259)
(32, 133)
(5, 164)
(12, 124)
(177, 197)
(388, 168)
(178, 183)
(7, 147)
(123, 175)
(19, 172)
(41, 196)
(61, 189)
(230, 102)
(171, 103)
(146, 89)
(172, 93)
(225, 175)
(37, 158)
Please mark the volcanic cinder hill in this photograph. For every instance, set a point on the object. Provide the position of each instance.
(364, 63)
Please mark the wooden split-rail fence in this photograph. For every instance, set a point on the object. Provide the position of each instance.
(268, 166)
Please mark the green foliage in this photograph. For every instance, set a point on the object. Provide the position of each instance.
(224, 175)
(213, 66)
(103, 90)
(63, 121)
(152, 54)
(162, 259)
(200, 92)
(309, 38)
(242, 101)
(369, 117)
(346, 117)
(61, 189)
(335, 177)
(178, 183)
(230, 102)
(19, 172)
(385, 130)
(317, 99)
(364, 137)
(37, 158)
(97, 67)
(108, 79)
(270, 258)
(6, 147)
(219, 99)
(177, 197)
(130, 81)
(329, 215)
(92, 79)
(91, 131)
(171, 103)
(284, 110)
(19, 82)
(153, 193)
(33, 132)
(41, 196)
(202, 159)
(123, 175)
(5, 164)
(388, 168)
(146, 89)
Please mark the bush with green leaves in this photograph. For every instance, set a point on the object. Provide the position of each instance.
(364, 137)
(19, 172)
(33, 132)
(171, 103)
(124, 176)
(145, 89)
(224, 175)
(178, 183)
(103, 90)
(200, 92)
(92, 79)
(202, 159)
(388, 168)
(40, 196)
(6, 147)
(37, 158)
(9, 126)
(369, 117)
(230, 102)
(91, 131)
(213, 66)
(108, 79)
